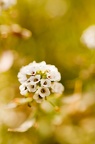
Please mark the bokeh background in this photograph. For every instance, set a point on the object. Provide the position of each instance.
(62, 33)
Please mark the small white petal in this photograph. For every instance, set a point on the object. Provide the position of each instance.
(23, 89)
(31, 70)
(37, 98)
(23, 70)
(22, 77)
(45, 83)
(42, 66)
(24, 92)
(54, 76)
(57, 88)
(31, 88)
(51, 68)
(34, 79)
(43, 91)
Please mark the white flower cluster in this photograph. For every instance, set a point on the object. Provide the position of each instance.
(39, 79)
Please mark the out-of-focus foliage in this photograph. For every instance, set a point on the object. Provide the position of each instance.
(49, 30)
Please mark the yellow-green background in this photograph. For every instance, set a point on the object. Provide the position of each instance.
(55, 40)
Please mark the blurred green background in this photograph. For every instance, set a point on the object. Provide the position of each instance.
(49, 30)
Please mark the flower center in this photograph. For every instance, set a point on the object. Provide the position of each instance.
(25, 88)
(42, 90)
(39, 96)
(32, 86)
(28, 80)
(49, 76)
(45, 83)
(35, 80)
(33, 73)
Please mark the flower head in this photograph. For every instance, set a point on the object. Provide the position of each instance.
(40, 79)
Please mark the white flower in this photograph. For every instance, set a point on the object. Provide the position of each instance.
(37, 98)
(43, 91)
(23, 89)
(38, 66)
(42, 66)
(39, 79)
(54, 75)
(22, 77)
(34, 79)
(31, 88)
(23, 70)
(31, 70)
(57, 87)
(45, 83)
(51, 67)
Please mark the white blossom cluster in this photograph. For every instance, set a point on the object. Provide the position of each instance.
(39, 79)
